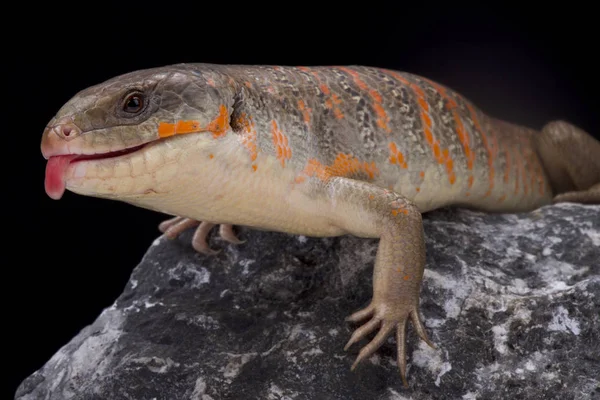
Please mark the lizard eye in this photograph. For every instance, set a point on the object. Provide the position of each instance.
(133, 103)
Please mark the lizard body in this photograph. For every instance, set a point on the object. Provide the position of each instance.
(318, 151)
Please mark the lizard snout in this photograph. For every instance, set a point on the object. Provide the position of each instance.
(56, 135)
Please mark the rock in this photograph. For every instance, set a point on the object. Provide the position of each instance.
(511, 300)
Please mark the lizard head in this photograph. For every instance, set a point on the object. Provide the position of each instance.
(129, 127)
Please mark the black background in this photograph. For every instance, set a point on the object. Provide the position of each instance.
(67, 260)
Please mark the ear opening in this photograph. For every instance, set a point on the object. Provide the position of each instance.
(237, 117)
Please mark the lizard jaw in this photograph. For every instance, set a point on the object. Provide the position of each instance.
(56, 168)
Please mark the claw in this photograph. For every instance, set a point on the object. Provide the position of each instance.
(374, 344)
(401, 348)
(179, 227)
(418, 325)
(199, 240)
(226, 232)
(387, 325)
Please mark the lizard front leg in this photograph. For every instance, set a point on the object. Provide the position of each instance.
(174, 227)
(367, 210)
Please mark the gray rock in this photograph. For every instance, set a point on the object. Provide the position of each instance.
(512, 301)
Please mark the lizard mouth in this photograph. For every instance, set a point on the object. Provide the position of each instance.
(56, 168)
(110, 154)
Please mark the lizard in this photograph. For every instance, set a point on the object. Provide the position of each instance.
(316, 151)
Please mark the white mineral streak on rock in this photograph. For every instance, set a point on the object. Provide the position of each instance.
(563, 323)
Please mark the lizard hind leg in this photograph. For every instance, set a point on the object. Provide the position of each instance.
(571, 158)
(174, 227)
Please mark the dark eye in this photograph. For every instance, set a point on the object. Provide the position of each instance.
(133, 103)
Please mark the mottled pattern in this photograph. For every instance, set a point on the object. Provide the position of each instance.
(418, 138)
(511, 300)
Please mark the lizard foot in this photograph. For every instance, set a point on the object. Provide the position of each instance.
(173, 227)
(589, 196)
(386, 318)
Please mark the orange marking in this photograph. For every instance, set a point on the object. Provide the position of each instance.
(220, 124)
(442, 156)
(422, 174)
(248, 84)
(382, 118)
(305, 111)
(418, 189)
(406, 277)
(217, 126)
(166, 129)
(254, 167)
(371, 197)
(459, 127)
(436, 150)
(502, 198)
(211, 156)
(343, 165)
(396, 156)
(249, 135)
(399, 210)
(281, 144)
(332, 99)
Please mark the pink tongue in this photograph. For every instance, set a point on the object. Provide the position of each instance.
(55, 175)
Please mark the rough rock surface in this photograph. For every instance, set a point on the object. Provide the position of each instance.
(512, 301)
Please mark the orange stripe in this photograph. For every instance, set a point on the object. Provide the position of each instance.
(396, 156)
(382, 118)
(280, 141)
(463, 136)
(344, 165)
(305, 111)
(249, 136)
(217, 126)
(441, 156)
(330, 98)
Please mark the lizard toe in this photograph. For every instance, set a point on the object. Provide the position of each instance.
(401, 349)
(166, 224)
(177, 228)
(199, 242)
(420, 328)
(370, 348)
(361, 314)
(226, 232)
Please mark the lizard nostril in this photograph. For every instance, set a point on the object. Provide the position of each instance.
(66, 130)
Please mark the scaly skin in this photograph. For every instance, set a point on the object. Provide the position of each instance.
(319, 151)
